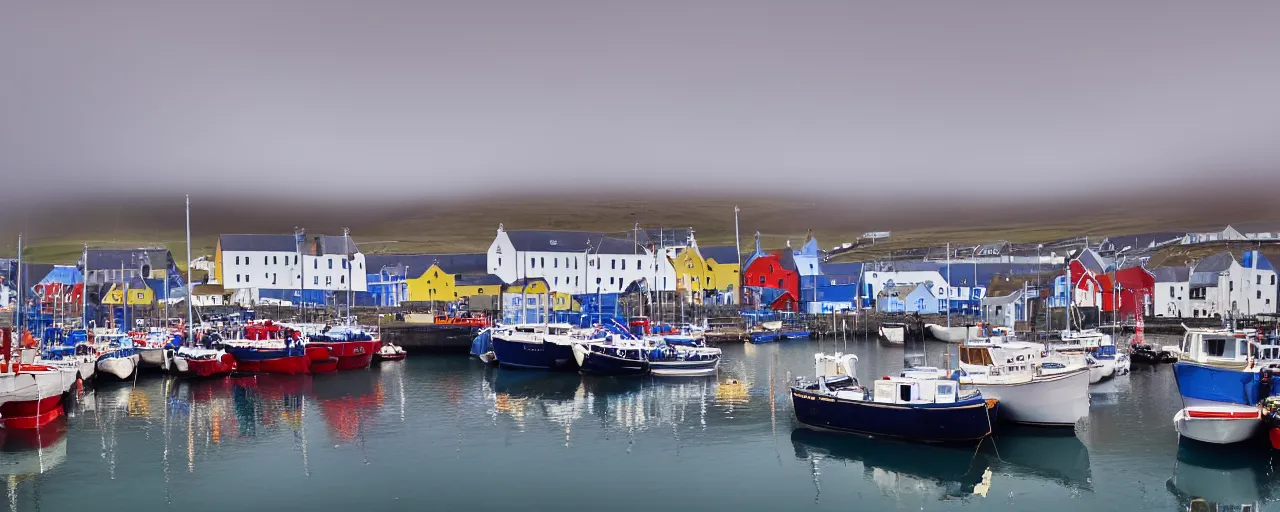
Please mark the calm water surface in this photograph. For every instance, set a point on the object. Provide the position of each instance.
(449, 434)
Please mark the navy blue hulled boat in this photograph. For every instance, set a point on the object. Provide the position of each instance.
(795, 335)
(668, 359)
(765, 336)
(523, 347)
(931, 410)
(611, 359)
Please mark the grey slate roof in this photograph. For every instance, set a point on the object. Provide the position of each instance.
(721, 253)
(272, 243)
(1093, 262)
(1217, 263)
(336, 244)
(898, 290)
(1172, 274)
(570, 241)
(129, 259)
(419, 263)
(478, 280)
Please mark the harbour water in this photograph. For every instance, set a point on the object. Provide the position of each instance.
(446, 433)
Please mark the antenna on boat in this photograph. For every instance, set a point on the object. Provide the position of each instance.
(190, 286)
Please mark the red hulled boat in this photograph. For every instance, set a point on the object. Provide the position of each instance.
(269, 347)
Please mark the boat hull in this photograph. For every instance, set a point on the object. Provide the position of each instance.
(1210, 385)
(534, 355)
(963, 421)
(764, 337)
(895, 335)
(1058, 400)
(182, 366)
(795, 335)
(597, 363)
(1218, 424)
(955, 334)
(152, 357)
(120, 368)
(352, 355)
(683, 368)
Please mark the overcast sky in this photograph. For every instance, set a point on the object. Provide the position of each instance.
(437, 98)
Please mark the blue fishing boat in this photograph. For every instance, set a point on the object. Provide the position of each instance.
(1220, 378)
(535, 348)
(929, 410)
(765, 336)
(611, 358)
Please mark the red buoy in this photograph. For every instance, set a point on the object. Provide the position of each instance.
(1274, 435)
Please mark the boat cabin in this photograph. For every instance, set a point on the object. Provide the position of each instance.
(896, 390)
(1210, 346)
(1008, 358)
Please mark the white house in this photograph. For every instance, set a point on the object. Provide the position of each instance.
(577, 262)
(875, 282)
(1220, 286)
(1171, 292)
(286, 262)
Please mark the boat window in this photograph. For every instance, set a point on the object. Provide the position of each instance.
(904, 392)
(945, 390)
(1215, 347)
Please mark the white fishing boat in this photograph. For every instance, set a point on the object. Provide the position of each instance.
(681, 356)
(116, 354)
(1030, 389)
(954, 334)
(1097, 344)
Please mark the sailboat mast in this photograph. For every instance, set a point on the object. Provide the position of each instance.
(346, 243)
(84, 292)
(948, 285)
(190, 286)
(17, 309)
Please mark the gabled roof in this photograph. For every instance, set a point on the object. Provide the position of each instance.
(417, 264)
(1093, 262)
(130, 259)
(1003, 300)
(334, 245)
(62, 274)
(721, 254)
(1265, 226)
(898, 290)
(1172, 274)
(1217, 263)
(258, 242)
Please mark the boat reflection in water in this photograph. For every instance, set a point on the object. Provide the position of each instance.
(903, 469)
(28, 453)
(1209, 478)
(349, 402)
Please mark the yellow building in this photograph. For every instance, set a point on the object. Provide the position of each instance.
(138, 296)
(473, 285)
(725, 277)
(434, 284)
(703, 277)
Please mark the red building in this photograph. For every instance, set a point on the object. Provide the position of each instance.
(763, 270)
(1133, 293)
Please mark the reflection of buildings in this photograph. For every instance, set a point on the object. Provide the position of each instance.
(348, 401)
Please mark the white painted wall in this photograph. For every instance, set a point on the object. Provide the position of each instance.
(1171, 299)
(577, 272)
(279, 270)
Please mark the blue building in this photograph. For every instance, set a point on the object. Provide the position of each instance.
(910, 298)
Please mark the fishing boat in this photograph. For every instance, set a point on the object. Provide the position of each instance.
(1030, 391)
(151, 346)
(1097, 344)
(70, 350)
(613, 356)
(1219, 374)
(954, 334)
(30, 394)
(930, 410)
(198, 362)
(536, 347)
(795, 334)
(766, 332)
(895, 333)
(676, 356)
(116, 355)
(269, 347)
(390, 352)
(353, 347)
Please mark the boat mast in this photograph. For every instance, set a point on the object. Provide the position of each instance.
(17, 309)
(84, 292)
(189, 339)
(299, 236)
(346, 247)
(737, 243)
(948, 285)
